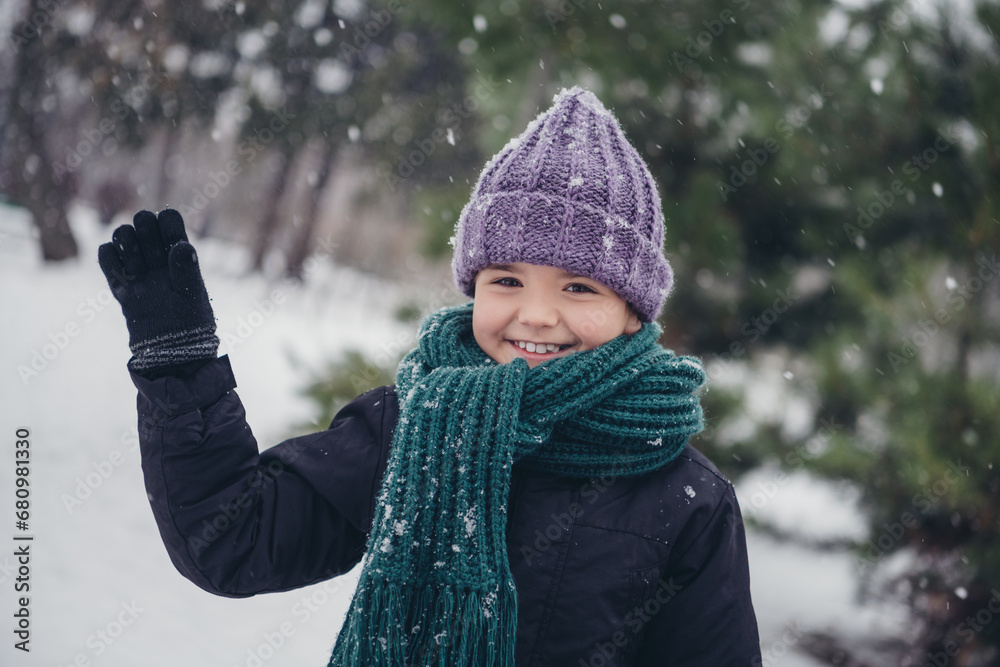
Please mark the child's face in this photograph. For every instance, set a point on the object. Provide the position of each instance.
(523, 310)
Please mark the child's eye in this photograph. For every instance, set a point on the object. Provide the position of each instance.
(507, 282)
(581, 288)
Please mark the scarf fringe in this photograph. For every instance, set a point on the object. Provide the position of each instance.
(446, 626)
(436, 588)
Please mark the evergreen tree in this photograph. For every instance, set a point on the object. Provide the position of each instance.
(829, 178)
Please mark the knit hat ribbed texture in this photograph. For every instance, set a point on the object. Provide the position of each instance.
(570, 192)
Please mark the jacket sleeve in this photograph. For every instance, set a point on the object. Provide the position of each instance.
(706, 616)
(237, 522)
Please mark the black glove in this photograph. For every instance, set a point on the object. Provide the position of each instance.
(153, 272)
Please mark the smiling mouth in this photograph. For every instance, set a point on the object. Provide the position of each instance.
(539, 348)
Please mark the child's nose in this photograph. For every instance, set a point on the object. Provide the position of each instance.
(537, 311)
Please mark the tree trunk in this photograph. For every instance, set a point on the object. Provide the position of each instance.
(304, 235)
(163, 180)
(57, 240)
(29, 170)
(268, 224)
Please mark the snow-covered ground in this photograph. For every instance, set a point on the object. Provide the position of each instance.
(103, 591)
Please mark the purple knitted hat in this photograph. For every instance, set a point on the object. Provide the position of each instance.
(569, 192)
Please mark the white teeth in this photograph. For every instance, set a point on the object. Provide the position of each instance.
(540, 348)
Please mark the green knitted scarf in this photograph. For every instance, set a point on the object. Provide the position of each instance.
(436, 586)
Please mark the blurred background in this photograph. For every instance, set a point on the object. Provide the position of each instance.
(830, 178)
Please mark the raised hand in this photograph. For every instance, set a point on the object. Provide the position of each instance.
(153, 272)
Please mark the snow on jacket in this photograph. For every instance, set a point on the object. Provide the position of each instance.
(645, 570)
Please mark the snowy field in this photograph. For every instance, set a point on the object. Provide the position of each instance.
(103, 591)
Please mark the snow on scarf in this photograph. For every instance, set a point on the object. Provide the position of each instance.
(436, 586)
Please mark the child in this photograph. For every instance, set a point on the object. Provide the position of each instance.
(525, 494)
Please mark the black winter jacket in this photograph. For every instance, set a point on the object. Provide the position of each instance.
(647, 570)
